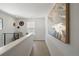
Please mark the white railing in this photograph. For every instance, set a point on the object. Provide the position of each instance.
(21, 46)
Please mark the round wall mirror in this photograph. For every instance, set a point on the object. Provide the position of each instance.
(21, 23)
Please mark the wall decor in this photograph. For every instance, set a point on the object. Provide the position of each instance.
(18, 27)
(14, 24)
(21, 23)
(58, 22)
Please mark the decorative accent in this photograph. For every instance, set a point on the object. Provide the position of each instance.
(14, 24)
(21, 23)
(18, 27)
(58, 22)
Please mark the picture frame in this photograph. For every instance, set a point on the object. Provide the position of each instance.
(59, 19)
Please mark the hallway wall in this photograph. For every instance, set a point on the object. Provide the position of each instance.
(57, 47)
(39, 27)
(8, 27)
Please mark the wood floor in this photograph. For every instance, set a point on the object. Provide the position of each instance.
(39, 48)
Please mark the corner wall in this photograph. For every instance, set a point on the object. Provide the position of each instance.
(8, 27)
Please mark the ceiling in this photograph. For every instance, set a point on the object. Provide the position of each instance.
(26, 9)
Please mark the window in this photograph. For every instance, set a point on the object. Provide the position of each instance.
(0, 24)
(30, 26)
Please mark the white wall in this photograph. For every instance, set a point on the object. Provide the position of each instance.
(39, 27)
(57, 47)
(7, 25)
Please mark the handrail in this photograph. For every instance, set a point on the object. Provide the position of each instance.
(13, 44)
(13, 36)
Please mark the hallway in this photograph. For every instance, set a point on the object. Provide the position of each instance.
(39, 48)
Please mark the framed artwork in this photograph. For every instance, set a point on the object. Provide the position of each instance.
(58, 22)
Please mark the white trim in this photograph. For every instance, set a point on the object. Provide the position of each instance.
(48, 48)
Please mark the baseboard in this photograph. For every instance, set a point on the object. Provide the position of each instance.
(48, 47)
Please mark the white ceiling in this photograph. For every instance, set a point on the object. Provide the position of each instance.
(26, 9)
